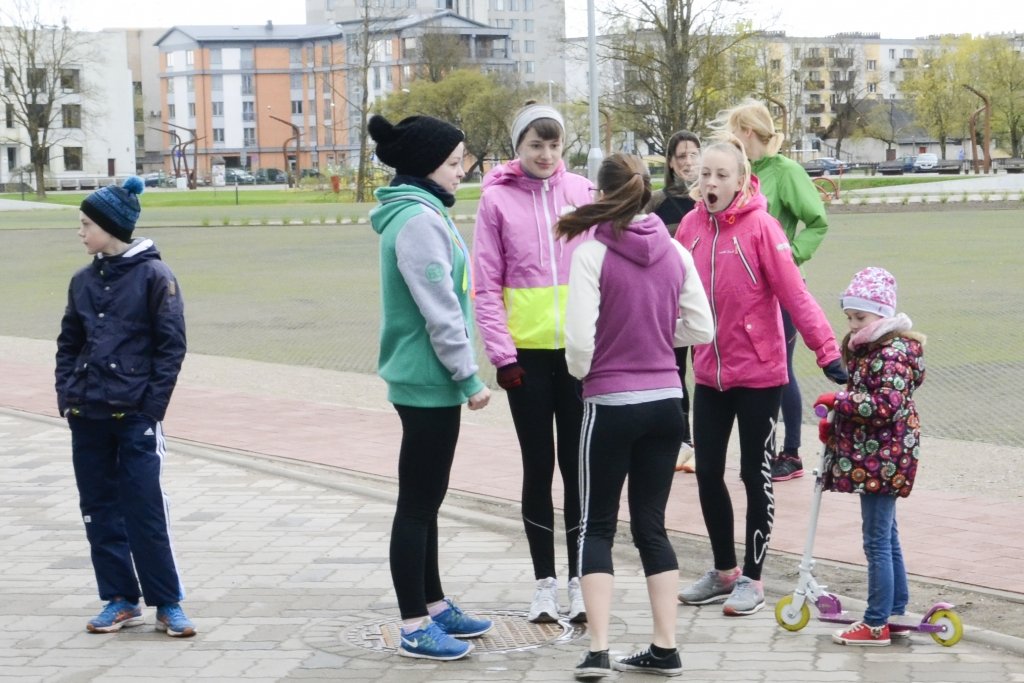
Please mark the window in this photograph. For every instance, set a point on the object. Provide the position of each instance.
(295, 81)
(190, 58)
(71, 115)
(515, 47)
(775, 64)
(312, 108)
(9, 115)
(140, 142)
(218, 135)
(69, 81)
(528, 25)
(247, 85)
(531, 67)
(139, 114)
(191, 110)
(325, 54)
(72, 158)
(170, 60)
(892, 53)
(872, 65)
(245, 58)
(170, 86)
(513, 24)
(872, 87)
(296, 106)
(217, 83)
(248, 111)
(249, 137)
(295, 55)
(137, 87)
(217, 108)
(37, 114)
(170, 111)
(8, 78)
(216, 57)
(527, 5)
(190, 84)
(36, 79)
(528, 46)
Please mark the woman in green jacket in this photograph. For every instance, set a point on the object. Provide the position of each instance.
(429, 364)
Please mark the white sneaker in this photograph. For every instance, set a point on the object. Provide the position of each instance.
(577, 610)
(544, 608)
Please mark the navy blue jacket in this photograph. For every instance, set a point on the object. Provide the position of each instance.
(122, 338)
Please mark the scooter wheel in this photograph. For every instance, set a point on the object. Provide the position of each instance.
(789, 617)
(952, 628)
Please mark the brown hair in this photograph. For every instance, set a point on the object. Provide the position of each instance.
(670, 150)
(625, 184)
(546, 129)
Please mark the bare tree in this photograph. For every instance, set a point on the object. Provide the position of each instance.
(43, 92)
(441, 53)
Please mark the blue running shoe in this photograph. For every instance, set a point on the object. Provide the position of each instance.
(457, 623)
(171, 618)
(118, 614)
(433, 642)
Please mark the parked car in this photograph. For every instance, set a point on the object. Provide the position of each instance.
(925, 162)
(823, 166)
(156, 179)
(896, 166)
(239, 176)
(269, 176)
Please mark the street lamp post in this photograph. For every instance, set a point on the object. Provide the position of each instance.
(594, 157)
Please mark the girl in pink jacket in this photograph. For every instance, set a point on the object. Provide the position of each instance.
(745, 263)
(521, 275)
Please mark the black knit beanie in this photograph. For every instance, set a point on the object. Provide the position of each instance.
(116, 209)
(416, 145)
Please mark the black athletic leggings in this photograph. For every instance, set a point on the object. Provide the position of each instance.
(755, 411)
(682, 354)
(425, 460)
(549, 394)
(642, 441)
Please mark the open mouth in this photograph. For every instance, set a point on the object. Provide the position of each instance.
(712, 197)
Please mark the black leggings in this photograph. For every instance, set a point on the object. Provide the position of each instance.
(682, 354)
(549, 393)
(755, 411)
(425, 460)
(642, 441)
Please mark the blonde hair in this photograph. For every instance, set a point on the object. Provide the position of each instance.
(732, 145)
(748, 115)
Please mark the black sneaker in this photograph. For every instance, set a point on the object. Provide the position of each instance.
(786, 466)
(645, 662)
(593, 665)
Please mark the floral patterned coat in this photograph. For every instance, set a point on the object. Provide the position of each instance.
(875, 441)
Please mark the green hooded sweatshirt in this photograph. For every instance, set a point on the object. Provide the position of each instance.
(427, 355)
(792, 198)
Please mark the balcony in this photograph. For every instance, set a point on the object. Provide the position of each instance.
(814, 85)
(815, 108)
(847, 84)
(812, 62)
(842, 63)
(908, 63)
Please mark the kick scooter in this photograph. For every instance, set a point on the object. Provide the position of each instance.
(793, 611)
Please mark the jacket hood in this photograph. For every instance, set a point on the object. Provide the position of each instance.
(397, 198)
(734, 210)
(512, 173)
(644, 241)
(141, 249)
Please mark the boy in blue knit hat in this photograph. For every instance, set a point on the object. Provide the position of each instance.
(121, 345)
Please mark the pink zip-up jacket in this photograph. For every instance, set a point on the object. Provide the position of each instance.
(747, 268)
(520, 268)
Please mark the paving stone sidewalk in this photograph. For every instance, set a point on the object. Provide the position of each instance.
(287, 571)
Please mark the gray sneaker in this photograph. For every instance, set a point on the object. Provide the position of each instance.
(544, 608)
(707, 589)
(747, 597)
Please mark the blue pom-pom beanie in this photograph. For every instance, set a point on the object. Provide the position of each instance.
(116, 209)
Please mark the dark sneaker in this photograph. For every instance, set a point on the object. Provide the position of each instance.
(787, 465)
(172, 619)
(433, 642)
(709, 588)
(645, 662)
(863, 635)
(457, 623)
(116, 615)
(593, 665)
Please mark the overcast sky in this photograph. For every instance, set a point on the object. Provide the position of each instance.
(891, 18)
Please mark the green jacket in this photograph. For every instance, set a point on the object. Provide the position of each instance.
(792, 198)
(427, 355)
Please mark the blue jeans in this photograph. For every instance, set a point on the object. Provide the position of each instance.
(888, 592)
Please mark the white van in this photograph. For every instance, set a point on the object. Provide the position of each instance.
(925, 162)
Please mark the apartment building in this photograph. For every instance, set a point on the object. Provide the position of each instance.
(89, 109)
(289, 97)
(536, 28)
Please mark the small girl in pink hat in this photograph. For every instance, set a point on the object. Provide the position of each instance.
(873, 443)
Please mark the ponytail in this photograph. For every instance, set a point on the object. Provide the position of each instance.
(625, 186)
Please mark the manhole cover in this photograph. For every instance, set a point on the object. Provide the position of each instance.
(511, 633)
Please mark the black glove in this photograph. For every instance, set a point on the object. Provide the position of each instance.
(836, 372)
(511, 376)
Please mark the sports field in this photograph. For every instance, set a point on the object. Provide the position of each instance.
(306, 293)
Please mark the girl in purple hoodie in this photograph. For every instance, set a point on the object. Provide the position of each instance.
(634, 296)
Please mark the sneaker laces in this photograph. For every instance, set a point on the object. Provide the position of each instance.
(173, 613)
(112, 609)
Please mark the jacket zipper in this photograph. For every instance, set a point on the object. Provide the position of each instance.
(743, 259)
(714, 307)
(554, 263)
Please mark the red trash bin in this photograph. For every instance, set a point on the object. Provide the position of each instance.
(336, 183)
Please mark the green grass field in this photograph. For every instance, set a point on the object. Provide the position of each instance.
(307, 294)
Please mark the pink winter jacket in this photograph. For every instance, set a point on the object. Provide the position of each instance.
(747, 268)
(520, 269)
